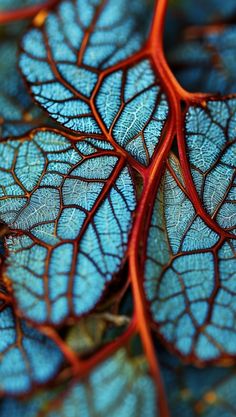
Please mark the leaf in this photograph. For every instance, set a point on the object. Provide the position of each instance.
(17, 112)
(32, 407)
(119, 387)
(73, 73)
(211, 148)
(204, 60)
(189, 275)
(72, 203)
(27, 357)
(100, 23)
(208, 392)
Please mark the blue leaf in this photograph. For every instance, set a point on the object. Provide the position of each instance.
(209, 392)
(142, 109)
(112, 30)
(211, 147)
(23, 350)
(118, 387)
(70, 73)
(205, 62)
(17, 112)
(73, 204)
(189, 275)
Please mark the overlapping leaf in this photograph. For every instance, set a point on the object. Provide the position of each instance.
(72, 74)
(189, 274)
(90, 34)
(211, 148)
(205, 60)
(208, 392)
(18, 114)
(26, 356)
(119, 387)
(72, 202)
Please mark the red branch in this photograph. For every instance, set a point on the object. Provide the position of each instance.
(26, 12)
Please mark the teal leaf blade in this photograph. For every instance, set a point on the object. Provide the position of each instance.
(211, 151)
(18, 114)
(120, 386)
(205, 60)
(189, 276)
(209, 392)
(69, 206)
(84, 80)
(112, 31)
(136, 116)
(23, 350)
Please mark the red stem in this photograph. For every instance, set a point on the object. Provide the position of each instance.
(82, 367)
(25, 13)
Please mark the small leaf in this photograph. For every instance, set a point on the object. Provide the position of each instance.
(111, 30)
(32, 407)
(26, 356)
(208, 392)
(18, 114)
(73, 74)
(211, 148)
(72, 203)
(189, 275)
(136, 117)
(205, 60)
(119, 387)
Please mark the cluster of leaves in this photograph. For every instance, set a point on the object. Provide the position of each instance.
(117, 209)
